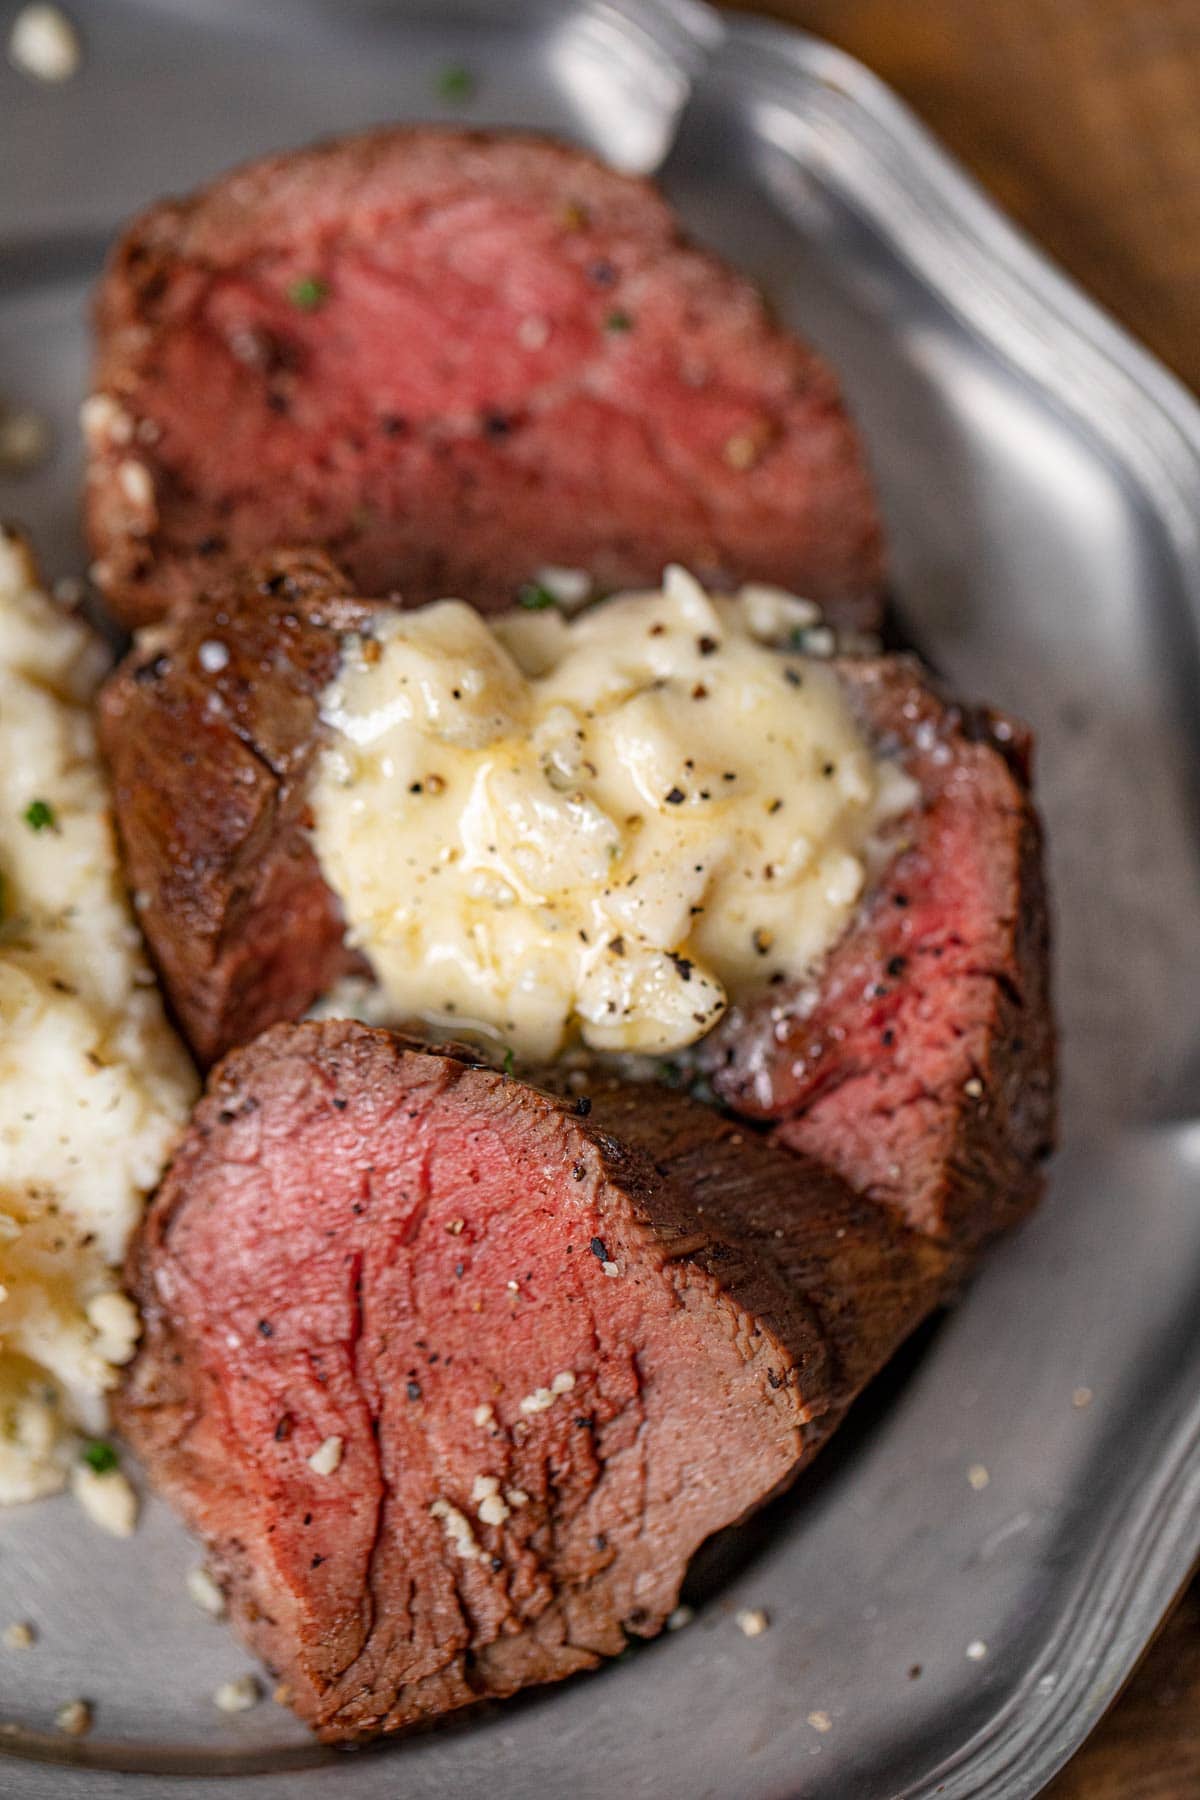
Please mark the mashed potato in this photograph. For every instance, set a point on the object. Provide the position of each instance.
(93, 1083)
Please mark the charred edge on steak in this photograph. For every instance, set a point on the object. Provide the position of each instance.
(210, 727)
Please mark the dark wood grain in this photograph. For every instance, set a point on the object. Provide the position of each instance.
(1148, 1746)
(1082, 118)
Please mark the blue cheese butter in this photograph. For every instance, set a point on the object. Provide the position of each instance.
(605, 828)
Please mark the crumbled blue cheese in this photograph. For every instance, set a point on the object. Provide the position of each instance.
(25, 442)
(108, 1497)
(74, 1719)
(486, 1498)
(568, 588)
(609, 826)
(327, 1457)
(105, 422)
(238, 1695)
(204, 1593)
(44, 44)
(457, 1528)
(541, 1399)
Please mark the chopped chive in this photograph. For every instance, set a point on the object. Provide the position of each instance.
(510, 1062)
(309, 293)
(455, 82)
(618, 321)
(100, 1457)
(535, 598)
(39, 816)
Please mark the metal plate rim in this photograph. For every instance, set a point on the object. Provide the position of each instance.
(1020, 1749)
(1136, 1570)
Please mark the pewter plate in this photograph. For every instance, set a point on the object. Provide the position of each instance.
(1041, 479)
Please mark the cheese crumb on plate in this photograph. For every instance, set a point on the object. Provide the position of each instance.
(239, 1695)
(74, 1718)
(44, 44)
(204, 1593)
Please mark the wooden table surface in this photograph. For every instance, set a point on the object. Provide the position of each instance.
(1082, 118)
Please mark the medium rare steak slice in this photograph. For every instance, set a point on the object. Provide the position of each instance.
(920, 1064)
(452, 358)
(454, 1376)
(210, 728)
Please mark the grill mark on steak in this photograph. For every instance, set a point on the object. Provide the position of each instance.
(704, 434)
(755, 1296)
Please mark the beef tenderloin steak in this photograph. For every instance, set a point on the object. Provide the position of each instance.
(453, 1377)
(210, 728)
(920, 1062)
(451, 358)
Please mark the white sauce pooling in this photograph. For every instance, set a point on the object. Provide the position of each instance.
(613, 825)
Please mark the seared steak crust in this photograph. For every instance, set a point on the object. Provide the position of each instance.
(920, 1063)
(451, 358)
(454, 1376)
(209, 727)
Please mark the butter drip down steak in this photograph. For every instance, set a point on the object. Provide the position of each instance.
(450, 359)
(918, 1061)
(453, 1376)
